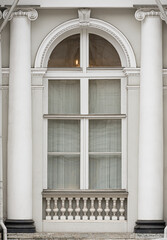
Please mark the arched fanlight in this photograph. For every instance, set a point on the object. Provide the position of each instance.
(66, 54)
(102, 53)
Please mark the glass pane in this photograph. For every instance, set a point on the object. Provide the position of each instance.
(105, 96)
(105, 136)
(63, 172)
(66, 54)
(63, 136)
(102, 53)
(104, 172)
(64, 97)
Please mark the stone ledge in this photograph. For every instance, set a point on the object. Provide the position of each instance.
(83, 236)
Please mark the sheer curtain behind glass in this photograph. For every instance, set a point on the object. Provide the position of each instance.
(105, 96)
(63, 136)
(102, 53)
(66, 54)
(105, 135)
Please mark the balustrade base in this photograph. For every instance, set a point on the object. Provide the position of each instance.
(149, 226)
(20, 226)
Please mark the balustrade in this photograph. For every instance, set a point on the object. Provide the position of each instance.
(85, 205)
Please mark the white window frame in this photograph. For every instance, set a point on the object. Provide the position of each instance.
(83, 74)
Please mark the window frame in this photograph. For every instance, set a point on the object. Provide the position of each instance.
(83, 74)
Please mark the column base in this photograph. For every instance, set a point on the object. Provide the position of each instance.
(20, 226)
(149, 226)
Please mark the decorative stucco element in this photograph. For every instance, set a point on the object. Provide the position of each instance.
(32, 14)
(140, 14)
(84, 16)
(51, 39)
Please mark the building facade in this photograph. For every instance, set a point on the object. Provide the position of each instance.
(84, 117)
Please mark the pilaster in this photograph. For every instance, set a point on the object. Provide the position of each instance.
(19, 171)
(150, 167)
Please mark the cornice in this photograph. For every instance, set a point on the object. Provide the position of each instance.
(31, 13)
(140, 14)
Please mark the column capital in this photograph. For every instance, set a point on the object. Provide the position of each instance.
(140, 14)
(31, 13)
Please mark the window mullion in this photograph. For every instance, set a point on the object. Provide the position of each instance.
(123, 95)
(84, 134)
(84, 155)
(124, 132)
(84, 49)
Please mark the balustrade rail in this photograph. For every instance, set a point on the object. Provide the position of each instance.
(84, 205)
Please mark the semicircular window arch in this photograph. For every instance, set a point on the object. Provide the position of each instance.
(101, 53)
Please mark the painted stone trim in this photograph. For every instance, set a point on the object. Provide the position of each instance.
(84, 17)
(75, 24)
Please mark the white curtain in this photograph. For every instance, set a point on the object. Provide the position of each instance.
(105, 172)
(64, 172)
(105, 135)
(64, 138)
(105, 96)
(64, 97)
(105, 154)
(64, 135)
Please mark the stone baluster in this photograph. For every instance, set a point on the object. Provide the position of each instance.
(122, 209)
(55, 209)
(107, 210)
(114, 209)
(99, 209)
(48, 209)
(63, 209)
(92, 209)
(85, 209)
(70, 209)
(77, 210)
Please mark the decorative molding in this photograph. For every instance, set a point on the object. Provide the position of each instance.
(134, 87)
(69, 28)
(131, 71)
(48, 43)
(1, 14)
(140, 14)
(37, 87)
(164, 72)
(119, 37)
(38, 72)
(42, 71)
(5, 72)
(31, 13)
(4, 87)
(84, 17)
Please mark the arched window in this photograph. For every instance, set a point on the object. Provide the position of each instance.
(67, 53)
(102, 53)
(86, 114)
